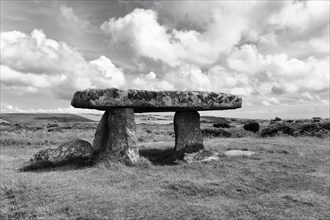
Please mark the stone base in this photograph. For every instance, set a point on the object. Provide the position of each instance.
(188, 135)
(115, 135)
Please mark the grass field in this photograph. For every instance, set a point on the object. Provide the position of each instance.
(287, 178)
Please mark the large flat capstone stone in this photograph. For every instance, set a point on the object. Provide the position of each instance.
(154, 101)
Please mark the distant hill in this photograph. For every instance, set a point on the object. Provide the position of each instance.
(27, 118)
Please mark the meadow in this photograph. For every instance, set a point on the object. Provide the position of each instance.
(287, 178)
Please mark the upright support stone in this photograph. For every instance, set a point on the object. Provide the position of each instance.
(102, 134)
(188, 135)
(122, 142)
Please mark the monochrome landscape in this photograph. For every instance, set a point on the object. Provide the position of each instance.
(165, 110)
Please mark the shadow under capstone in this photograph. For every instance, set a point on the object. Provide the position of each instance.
(161, 156)
(168, 156)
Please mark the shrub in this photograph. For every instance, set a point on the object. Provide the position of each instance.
(309, 128)
(315, 129)
(221, 125)
(277, 119)
(277, 129)
(316, 119)
(215, 132)
(252, 126)
(326, 126)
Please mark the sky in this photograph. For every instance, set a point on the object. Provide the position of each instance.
(274, 54)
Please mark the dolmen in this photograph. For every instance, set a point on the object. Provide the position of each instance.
(115, 135)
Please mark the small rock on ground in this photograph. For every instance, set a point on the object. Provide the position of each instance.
(201, 156)
(237, 153)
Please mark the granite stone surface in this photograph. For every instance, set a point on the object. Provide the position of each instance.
(154, 101)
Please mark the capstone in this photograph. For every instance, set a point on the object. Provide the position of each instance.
(154, 101)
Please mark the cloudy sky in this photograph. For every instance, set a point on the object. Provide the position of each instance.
(275, 54)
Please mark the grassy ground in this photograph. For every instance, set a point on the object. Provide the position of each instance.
(287, 178)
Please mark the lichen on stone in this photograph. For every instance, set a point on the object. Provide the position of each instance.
(154, 101)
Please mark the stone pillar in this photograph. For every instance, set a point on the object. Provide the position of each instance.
(101, 134)
(122, 143)
(188, 134)
(115, 135)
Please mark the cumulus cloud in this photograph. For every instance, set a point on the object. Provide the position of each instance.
(270, 52)
(260, 22)
(69, 15)
(150, 81)
(218, 27)
(257, 49)
(271, 101)
(33, 62)
(108, 73)
(38, 54)
(293, 75)
(189, 77)
(142, 34)
(312, 15)
(282, 74)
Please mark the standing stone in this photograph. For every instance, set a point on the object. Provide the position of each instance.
(122, 141)
(101, 134)
(188, 135)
